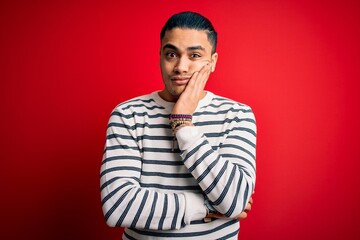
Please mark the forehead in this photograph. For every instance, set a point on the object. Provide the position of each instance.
(185, 38)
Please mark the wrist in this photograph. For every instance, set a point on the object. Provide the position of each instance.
(209, 207)
(179, 120)
(210, 211)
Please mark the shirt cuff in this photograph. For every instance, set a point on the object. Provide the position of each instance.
(186, 136)
(195, 207)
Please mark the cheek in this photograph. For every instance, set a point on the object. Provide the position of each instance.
(196, 66)
(166, 68)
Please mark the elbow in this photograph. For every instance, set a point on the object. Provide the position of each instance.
(240, 204)
(110, 221)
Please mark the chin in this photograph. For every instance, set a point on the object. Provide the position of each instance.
(177, 93)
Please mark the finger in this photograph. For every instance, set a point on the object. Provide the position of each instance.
(242, 216)
(215, 215)
(247, 208)
(251, 201)
(199, 78)
(205, 69)
(203, 76)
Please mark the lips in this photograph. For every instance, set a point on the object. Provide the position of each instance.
(180, 80)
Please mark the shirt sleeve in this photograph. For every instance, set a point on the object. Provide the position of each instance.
(226, 175)
(124, 202)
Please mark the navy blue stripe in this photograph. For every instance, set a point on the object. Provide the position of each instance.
(103, 201)
(243, 129)
(196, 222)
(116, 204)
(109, 159)
(177, 204)
(138, 125)
(219, 105)
(238, 157)
(119, 125)
(235, 199)
(220, 134)
(136, 169)
(226, 188)
(232, 146)
(163, 215)
(166, 234)
(242, 139)
(128, 236)
(136, 100)
(125, 212)
(233, 234)
(142, 105)
(114, 147)
(168, 138)
(207, 113)
(159, 150)
(243, 169)
(160, 162)
(114, 135)
(167, 175)
(245, 195)
(207, 170)
(183, 224)
(197, 162)
(142, 204)
(145, 149)
(223, 99)
(217, 178)
(170, 187)
(107, 183)
(189, 154)
(206, 123)
(151, 215)
(139, 114)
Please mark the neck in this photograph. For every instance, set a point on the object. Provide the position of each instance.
(168, 97)
(173, 98)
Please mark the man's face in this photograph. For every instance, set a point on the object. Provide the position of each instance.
(183, 52)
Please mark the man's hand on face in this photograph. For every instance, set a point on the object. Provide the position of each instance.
(194, 91)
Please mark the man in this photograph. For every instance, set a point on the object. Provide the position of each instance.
(180, 163)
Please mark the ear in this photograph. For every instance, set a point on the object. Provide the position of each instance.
(214, 58)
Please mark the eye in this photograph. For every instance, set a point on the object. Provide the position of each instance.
(171, 55)
(195, 55)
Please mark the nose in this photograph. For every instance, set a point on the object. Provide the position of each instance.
(182, 65)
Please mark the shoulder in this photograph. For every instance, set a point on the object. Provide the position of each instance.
(144, 103)
(135, 102)
(224, 103)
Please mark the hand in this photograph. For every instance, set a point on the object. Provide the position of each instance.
(247, 209)
(241, 216)
(194, 92)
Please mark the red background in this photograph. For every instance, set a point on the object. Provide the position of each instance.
(66, 64)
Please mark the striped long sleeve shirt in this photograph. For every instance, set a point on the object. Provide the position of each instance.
(157, 191)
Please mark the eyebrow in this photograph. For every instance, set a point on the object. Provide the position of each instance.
(192, 48)
(196, 48)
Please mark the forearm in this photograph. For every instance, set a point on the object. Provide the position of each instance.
(227, 175)
(125, 202)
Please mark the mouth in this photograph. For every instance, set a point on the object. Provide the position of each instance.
(180, 80)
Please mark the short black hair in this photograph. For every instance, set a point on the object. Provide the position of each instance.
(191, 20)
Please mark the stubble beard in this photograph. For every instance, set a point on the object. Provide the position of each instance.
(176, 91)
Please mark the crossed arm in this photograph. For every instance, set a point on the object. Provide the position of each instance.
(187, 104)
(126, 203)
